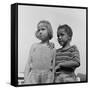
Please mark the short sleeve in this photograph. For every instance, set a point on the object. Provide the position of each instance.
(75, 54)
(30, 54)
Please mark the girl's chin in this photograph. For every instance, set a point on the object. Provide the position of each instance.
(40, 38)
(62, 44)
(43, 40)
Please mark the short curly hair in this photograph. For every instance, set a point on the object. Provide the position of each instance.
(67, 28)
(49, 28)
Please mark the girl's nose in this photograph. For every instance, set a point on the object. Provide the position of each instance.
(40, 32)
(59, 37)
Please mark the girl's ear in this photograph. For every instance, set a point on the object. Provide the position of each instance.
(36, 34)
(69, 38)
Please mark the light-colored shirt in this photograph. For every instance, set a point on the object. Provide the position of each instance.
(41, 57)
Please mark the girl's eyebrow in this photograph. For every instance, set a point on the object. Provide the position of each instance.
(41, 28)
(58, 35)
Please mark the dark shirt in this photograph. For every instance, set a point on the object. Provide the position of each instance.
(69, 59)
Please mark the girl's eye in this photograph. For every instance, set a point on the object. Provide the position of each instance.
(58, 36)
(62, 34)
(38, 30)
(42, 29)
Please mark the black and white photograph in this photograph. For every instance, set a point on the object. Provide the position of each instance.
(50, 44)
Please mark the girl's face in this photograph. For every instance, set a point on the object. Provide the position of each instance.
(63, 37)
(42, 32)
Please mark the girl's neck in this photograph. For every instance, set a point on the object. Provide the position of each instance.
(66, 46)
(45, 42)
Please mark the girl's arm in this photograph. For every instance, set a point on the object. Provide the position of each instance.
(74, 62)
(69, 64)
(28, 65)
(27, 68)
(53, 62)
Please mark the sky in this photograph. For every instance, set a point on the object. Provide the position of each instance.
(28, 18)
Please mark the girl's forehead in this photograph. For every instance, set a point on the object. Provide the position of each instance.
(62, 30)
(42, 25)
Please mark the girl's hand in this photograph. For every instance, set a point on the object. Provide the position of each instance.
(51, 45)
(57, 67)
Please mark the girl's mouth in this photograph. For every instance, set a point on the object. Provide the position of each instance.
(60, 40)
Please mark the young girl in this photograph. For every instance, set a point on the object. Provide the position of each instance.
(41, 61)
(67, 57)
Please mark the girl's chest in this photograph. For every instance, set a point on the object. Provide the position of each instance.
(42, 52)
(63, 56)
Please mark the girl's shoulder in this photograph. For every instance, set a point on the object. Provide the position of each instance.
(52, 45)
(34, 45)
(73, 48)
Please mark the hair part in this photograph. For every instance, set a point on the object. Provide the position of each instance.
(67, 28)
(49, 28)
